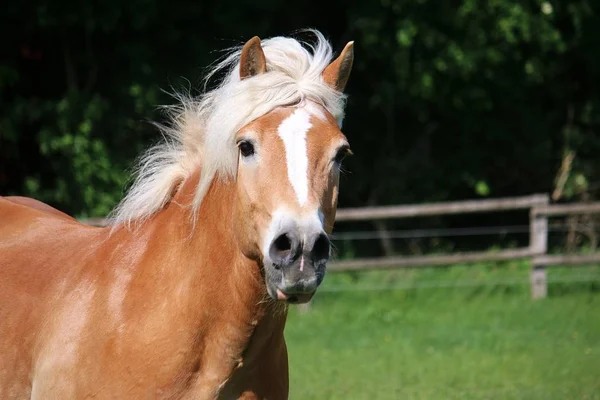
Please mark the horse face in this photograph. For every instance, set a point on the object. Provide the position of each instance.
(288, 176)
(287, 183)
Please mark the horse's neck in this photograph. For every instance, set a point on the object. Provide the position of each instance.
(207, 246)
(225, 291)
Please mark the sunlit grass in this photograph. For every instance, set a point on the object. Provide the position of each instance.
(484, 340)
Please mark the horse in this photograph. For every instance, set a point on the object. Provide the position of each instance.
(185, 293)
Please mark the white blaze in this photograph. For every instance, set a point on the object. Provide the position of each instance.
(293, 133)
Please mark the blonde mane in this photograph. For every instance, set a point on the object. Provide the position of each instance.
(201, 132)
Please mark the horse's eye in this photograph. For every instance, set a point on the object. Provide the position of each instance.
(341, 154)
(246, 148)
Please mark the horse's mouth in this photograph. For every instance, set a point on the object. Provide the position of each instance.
(296, 298)
(289, 295)
(295, 283)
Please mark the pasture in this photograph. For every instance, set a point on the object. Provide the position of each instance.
(463, 332)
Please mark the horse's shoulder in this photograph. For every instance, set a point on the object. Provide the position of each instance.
(36, 205)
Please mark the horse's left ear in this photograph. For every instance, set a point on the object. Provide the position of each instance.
(337, 73)
(252, 59)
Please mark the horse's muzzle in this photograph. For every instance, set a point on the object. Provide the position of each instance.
(295, 268)
(293, 285)
(298, 286)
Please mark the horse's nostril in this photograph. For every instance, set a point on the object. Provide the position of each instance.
(320, 250)
(283, 243)
(281, 249)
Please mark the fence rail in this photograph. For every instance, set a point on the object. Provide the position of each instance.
(448, 208)
(540, 210)
(429, 261)
(567, 209)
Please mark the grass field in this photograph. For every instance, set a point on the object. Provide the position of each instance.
(431, 339)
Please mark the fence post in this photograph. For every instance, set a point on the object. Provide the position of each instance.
(538, 243)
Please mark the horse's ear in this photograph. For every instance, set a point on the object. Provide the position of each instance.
(252, 59)
(337, 73)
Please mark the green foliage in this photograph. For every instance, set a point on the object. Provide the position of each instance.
(448, 100)
(478, 91)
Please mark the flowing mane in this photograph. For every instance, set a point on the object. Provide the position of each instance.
(201, 131)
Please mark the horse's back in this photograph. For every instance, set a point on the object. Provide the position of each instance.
(37, 205)
(41, 249)
(38, 242)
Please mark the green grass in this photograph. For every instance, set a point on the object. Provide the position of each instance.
(485, 340)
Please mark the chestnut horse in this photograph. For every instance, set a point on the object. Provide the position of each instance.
(184, 295)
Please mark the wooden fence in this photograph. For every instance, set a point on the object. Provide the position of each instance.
(539, 208)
